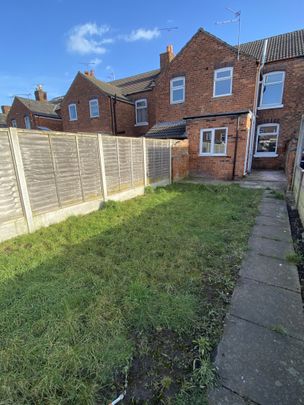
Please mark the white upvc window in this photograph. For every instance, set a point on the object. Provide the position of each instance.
(272, 90)
(14, 123)
(27, 122)
(73, 112)
(267, 140)
(222, 83)
(213, 141)
(141, 112)
(177, 90)
(94, 108)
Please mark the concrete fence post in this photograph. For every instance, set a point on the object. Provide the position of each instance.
(102, 168)
(170, 158)
(23, 191)
(144, 160)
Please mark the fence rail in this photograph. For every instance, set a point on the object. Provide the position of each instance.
(47, 176)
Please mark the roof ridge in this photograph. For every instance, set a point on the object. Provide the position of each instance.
(133, 76)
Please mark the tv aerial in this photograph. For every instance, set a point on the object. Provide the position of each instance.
(236, 19)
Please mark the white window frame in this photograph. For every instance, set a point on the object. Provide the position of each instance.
(267, 106)
(181, 87)
(27, 122)
(266, 154)
(73, 105)
(212, 130)
(94, 100)
(216, 79)
(138, 124)
(14, 123)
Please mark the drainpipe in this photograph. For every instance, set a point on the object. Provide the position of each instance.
(114, 111)
(236, 146)
(255, 105)
(112, 114)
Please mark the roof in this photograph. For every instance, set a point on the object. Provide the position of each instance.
(168, 130)
(45, 108)
(284, 46)
(137, 83)
(223, 114)
(107, 88)
(3, 120)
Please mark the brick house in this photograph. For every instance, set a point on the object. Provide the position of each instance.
(121, 107)
(38, 114)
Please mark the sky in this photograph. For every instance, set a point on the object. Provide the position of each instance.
(48, 41)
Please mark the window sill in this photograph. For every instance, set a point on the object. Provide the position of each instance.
(73, 120)
(96, 116)
(177, 102)
(263, 155)
(270, 107)
(141, 124)
(222, 95)
(213, 154)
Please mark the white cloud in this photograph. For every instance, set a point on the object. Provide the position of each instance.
(88, 38)
(95, 62)
(142, 34)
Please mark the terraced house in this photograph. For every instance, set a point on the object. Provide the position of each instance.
(239, 108)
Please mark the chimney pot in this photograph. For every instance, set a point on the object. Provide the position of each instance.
(166, 57)
(86, 72)
(92, 73)
(40, 94)
(5, 109)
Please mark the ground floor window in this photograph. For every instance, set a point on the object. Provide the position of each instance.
(213, 142)
(267, 140)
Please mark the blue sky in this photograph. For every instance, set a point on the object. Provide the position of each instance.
(47, 41)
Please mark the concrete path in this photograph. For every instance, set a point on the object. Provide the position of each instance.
(260, 359)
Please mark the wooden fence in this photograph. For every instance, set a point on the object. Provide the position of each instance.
(47, 176)
(298, 173)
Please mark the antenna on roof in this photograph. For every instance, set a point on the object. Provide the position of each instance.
(21, 94)
(236, 19)
(87, 63)
(167, 29)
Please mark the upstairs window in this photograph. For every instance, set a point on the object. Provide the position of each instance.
(222, 85)
(73, 112)
(141, 112)
(177, 90)
(213, 142)
(14, 123)
(94, 108)
(27, 122)
(272, 90)
(267, 140)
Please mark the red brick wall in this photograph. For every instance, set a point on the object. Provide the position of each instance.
(220, 167)
(197, 62)
(289, 117)
(180, 159)
(149, 95)
(19, 110)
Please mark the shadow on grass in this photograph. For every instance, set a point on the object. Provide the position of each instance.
(95, 294)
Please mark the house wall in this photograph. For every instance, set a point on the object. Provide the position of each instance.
(220, 167)
(289, 117)
(197, 62)
(19, 110)
(180, 159)
(149, 95)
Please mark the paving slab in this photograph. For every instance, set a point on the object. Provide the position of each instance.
(260, 364)
(269, 306)
(271, 271)
(270, 220)
(269, 247)
(272, 209)
(272, 232)
(222, 396)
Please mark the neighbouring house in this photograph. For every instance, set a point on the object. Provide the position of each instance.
(3, 116)
(38, 114)
(121, 107)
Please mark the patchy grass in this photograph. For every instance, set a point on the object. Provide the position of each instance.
(135, 292)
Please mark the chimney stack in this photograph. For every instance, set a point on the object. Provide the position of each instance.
(5, 109)
(166, 57)
(40, 94)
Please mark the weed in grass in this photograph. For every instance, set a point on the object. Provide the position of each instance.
(277, 194)
(295, 258)
(139, 280)
(279, 329)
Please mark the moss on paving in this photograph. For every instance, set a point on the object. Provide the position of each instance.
(75, 297)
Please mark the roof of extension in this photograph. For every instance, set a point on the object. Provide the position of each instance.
(45, 108)
(284, 46)
(3, 120)
(137, 83)
(168, 130)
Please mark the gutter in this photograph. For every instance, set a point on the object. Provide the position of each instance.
(228, 114)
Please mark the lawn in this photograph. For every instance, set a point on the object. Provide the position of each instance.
(132, 295)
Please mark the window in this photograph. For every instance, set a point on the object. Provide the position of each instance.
(14, 123)
(222, 85)
(213, 142)
(177, 90)
(94, 108)
(272, 90)
(141, 112)
(27, 122)
(267, 140)
(73, 112)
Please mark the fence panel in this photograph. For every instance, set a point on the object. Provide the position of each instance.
(10, 203)
(158, 160)
(111, 164)
(138, 175)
